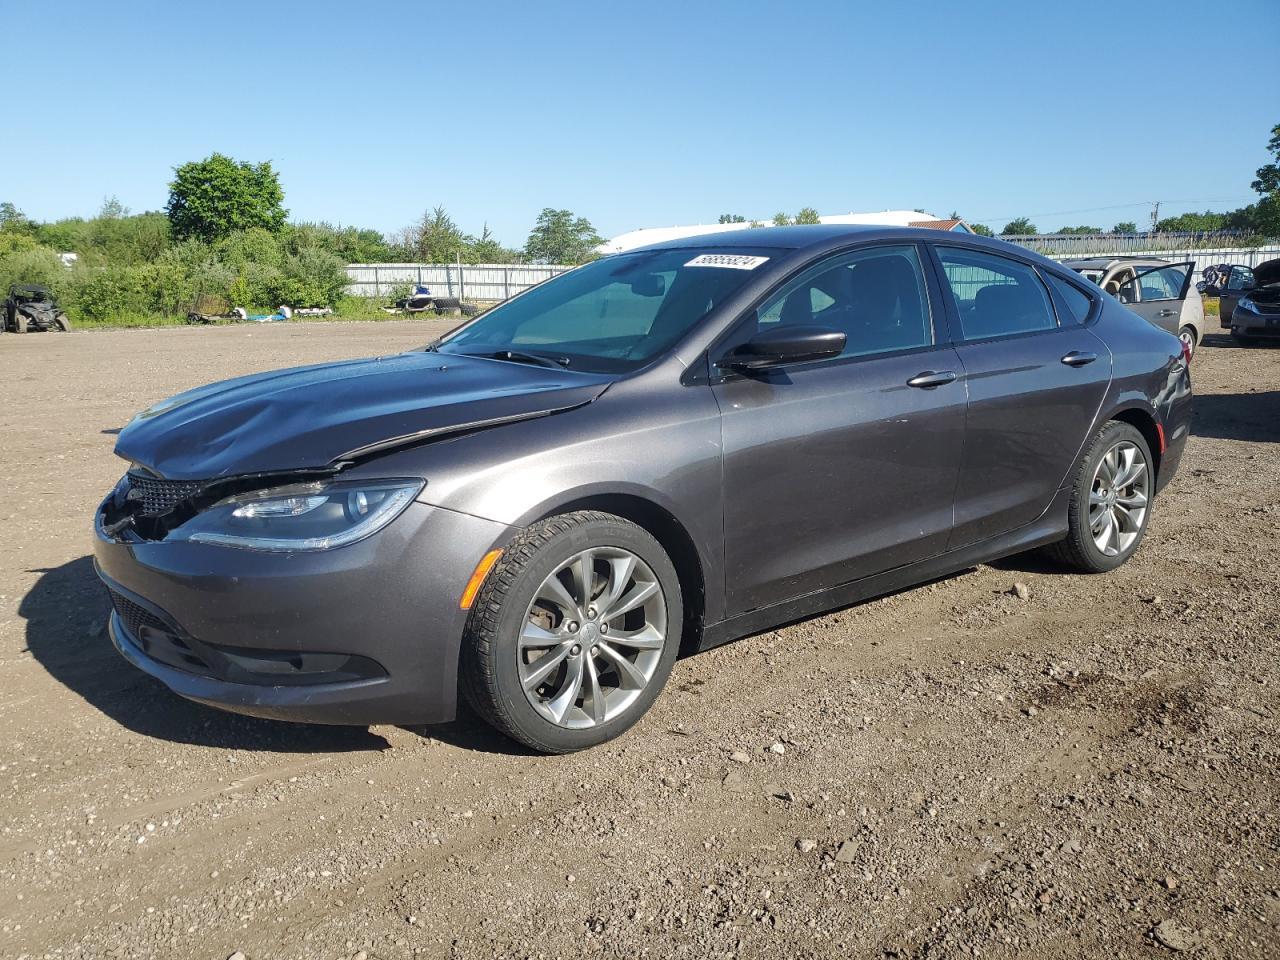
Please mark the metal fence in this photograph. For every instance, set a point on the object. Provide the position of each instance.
(467, 281)
(1060, 245)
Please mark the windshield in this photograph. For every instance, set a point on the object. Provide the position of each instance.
(612, 315)
(1089, 274)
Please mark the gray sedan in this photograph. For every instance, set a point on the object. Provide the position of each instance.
(655, 453)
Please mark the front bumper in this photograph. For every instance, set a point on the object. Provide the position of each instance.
(375, 625)
(1245, 323)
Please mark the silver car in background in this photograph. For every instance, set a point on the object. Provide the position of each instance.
(1152, 288)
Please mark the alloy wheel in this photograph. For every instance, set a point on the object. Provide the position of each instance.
(1119, 498)
(592, 637)
(1189, 338)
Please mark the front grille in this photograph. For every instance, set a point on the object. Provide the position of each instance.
(160, 496)
(157, 638)
(135, 616)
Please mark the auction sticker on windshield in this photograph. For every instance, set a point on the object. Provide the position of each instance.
(732, 260)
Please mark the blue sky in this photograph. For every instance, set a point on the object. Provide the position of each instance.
(644, 114)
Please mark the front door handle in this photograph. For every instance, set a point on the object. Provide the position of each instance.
(1166, 313)
(1078, 358)
(931, 378)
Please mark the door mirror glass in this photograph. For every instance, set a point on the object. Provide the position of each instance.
(784, 344)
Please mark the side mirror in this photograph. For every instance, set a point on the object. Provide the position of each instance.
(785, 344)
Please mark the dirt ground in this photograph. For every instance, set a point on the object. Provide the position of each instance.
(950, 771)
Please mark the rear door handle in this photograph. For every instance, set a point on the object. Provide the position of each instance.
(931, 378)
(1078, 358)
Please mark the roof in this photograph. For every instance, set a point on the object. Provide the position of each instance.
(801, 237)
(650, 235)
(942, 225)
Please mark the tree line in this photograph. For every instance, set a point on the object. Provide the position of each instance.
(225, 239)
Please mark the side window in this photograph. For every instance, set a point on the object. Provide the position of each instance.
(996, 297)
(875, 297)
(1241, 278)
(1163, 283)
(1078, 302)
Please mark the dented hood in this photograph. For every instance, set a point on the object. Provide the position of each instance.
(311, 417)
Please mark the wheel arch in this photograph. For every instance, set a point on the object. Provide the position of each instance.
(1144, 421)
(673, 536)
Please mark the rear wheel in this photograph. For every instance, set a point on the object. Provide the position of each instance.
(1188, 336)
(574, 633)
(1110, 501)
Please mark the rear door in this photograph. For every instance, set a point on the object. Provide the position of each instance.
(1157, 293)
(1035, 385)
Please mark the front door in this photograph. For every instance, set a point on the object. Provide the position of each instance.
(839, 468)
(1157, 293)
(1035, 387)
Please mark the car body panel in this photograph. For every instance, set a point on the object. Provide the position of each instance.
(1028, 416)
(311, 417)
(833, 471)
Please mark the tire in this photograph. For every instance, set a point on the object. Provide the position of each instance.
(19, 323)
(1188, 336)
(496, 663)
(1080, 550)
(62, 322)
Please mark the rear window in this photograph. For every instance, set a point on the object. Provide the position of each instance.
(1078, 302)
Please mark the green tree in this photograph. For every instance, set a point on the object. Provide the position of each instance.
(486, 249)
(732, 218)
(560, 237)
(981, 229)
(436, 238)
(1266, 212)
(808, 215)
(1021, 227)
(1082, 230)
(211, 198)
(1207, 222)
(1125, 226)
(780, 219)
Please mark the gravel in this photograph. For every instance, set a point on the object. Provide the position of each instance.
(971, 771)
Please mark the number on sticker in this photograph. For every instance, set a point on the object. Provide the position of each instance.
(733, 261)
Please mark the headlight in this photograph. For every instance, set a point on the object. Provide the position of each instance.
(303, 516)
(1248, 305)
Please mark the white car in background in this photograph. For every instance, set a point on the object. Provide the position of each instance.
(1153, 288)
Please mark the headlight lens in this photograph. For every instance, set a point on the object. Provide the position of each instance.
(1248, 305)
(304, 516)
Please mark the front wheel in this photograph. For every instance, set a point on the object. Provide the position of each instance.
(1110, 501)
(574, 633)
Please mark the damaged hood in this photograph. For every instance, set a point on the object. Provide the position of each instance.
(310, 417)
(1267, 272)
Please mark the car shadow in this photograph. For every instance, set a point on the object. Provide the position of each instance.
(468, 731)
(1237, 416)
(66, 615)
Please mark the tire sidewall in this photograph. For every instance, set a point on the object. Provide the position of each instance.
(596, 533)
(1113, 433)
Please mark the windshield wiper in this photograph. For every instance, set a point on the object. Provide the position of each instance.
(520, 356)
